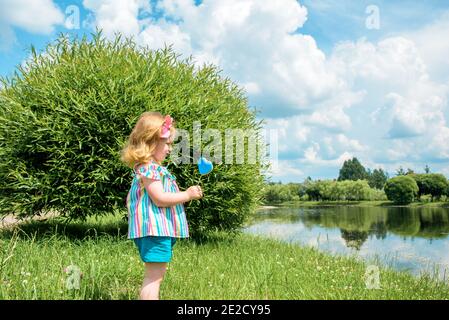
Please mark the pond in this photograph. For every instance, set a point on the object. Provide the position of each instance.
(407, 239)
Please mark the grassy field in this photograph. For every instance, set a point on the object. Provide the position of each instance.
(35, 260)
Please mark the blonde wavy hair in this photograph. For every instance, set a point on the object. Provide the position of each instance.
(144, 138)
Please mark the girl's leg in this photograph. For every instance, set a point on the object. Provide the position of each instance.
(154, 273)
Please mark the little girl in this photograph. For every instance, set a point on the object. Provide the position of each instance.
(156, 216)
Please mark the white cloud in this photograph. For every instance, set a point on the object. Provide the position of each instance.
(386, 95)
(392, 61)
(292, 134)
(285, 169)
(333, 118)
(409, 103)
(439, 144)
(418, 111)
(434, 50)
(312, 157)
(331, 113)
(393, 85)
(339, 144)
(156, 36)
(445, 171)
(116, 16)
(252, 88)
(38, 16)
(350, 144)
(252, 41)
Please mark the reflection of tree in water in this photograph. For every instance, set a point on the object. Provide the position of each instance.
(354, 239)
(430, 223)
(359, 223)
(379, 229)
(434, 223)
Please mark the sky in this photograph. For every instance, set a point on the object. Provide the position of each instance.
(335, 79)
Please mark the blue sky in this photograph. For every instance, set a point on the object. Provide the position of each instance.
(336, 79)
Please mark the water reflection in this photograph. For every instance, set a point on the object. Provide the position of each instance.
(414, 239)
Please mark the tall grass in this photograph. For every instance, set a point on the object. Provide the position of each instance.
(34, 257)
(36, 262)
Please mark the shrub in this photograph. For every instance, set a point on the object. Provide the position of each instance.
(313, 191)
(422, 182)
(447, 189)
(326, 188)
(277, 193)
(376, 194)
(401, 189)
(434, 184)
(346, 190)
(358, 190)
(65, 116)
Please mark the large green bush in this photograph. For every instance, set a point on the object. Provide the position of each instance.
(401, 189)
(434, 184)
(322, 190)
(278, 193)
(65, 116)
(447, 190)
(346, 190)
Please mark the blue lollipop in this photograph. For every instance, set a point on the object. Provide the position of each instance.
(204, 166)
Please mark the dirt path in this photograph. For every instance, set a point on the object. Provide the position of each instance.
(7, 222)
(10, 221)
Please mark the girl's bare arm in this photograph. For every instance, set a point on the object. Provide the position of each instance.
(169, 199)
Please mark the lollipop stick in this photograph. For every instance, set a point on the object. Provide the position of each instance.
(200, 180)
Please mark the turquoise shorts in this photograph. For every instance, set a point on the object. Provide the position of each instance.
(155, 248)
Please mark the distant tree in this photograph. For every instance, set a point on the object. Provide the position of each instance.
(326, 189)
(438, 185)
(447, 191)
(434, 184)
(409, 171)
(352, 170)
(377, 178)
(359, 190)
(426, 169)
(313, 191)
(423, 184)
(270, 194)
(400, 172)
(401, 189)
(347, 190)
(302, 190)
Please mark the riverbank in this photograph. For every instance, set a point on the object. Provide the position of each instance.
(355, 203)
(36, 264)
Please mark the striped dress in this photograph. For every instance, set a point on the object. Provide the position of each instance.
(147, 219)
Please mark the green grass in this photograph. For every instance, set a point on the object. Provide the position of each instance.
(222, 267)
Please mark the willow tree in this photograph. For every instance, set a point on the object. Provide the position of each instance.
(66, 114)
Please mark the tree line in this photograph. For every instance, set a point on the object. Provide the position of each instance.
(355, 183)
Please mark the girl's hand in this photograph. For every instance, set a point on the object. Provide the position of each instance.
(195, 192)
